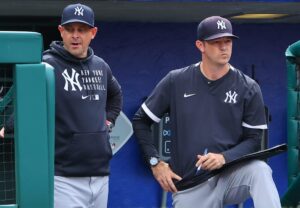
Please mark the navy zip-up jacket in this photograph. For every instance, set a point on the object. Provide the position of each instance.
(225, 116)
(87, 94)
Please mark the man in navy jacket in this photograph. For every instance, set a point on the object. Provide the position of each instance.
(217, 115)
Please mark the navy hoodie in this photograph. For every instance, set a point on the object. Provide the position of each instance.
(87, 94)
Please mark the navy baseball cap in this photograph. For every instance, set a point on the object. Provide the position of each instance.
(214, 27)
(78, 13)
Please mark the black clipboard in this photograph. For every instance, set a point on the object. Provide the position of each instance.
(192, 181)
(260, 155)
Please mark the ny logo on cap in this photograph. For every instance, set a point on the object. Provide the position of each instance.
(79, 11)
(221, 25)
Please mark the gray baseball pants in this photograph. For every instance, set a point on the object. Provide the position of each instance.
(80, 192)
(233, 186)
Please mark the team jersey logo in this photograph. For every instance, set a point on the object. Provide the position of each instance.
(89, 82)
(230, 97)
(71, 80)
(90, 97)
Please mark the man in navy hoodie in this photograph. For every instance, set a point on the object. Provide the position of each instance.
(88, 101)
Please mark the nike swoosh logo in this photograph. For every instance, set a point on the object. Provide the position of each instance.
(188, 95)
(85, 97)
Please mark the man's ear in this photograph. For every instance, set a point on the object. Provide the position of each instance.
(94, 32)
(200, 45)
(60, 29)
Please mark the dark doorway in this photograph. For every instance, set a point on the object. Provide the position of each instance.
(47, 26)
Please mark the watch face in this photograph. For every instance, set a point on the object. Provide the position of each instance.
(153, 161)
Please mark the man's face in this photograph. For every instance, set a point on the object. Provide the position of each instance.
(217, 51)
(77, 38)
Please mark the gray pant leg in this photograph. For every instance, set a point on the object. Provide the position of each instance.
(70, 193)
(201, 196)
(80, 192)
(233, 186)
(99, 186)
(250, 179)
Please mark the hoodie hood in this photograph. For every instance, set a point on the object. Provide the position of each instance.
(57, 49)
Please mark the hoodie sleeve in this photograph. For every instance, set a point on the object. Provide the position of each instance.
(114, 98)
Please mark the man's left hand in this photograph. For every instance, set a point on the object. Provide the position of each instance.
(210, 161)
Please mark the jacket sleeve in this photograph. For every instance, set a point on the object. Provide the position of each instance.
(142, 129)
(151, 111)
(114, 99)
(251, 142)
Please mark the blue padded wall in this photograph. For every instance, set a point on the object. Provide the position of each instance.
(140, 54)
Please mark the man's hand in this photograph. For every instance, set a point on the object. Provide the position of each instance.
(109, 125)
(164, 175)
(2, 132)
(210, 161)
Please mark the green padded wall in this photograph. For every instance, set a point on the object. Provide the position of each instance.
(31, 135)
(50, 81)
(33, 100)
(20, 47)
(292, 197)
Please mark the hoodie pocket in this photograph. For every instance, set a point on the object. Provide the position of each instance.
(88, 154)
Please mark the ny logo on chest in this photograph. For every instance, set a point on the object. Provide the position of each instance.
(71, 80)
(230, 97)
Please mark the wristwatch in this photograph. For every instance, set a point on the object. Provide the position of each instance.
(153, 161)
